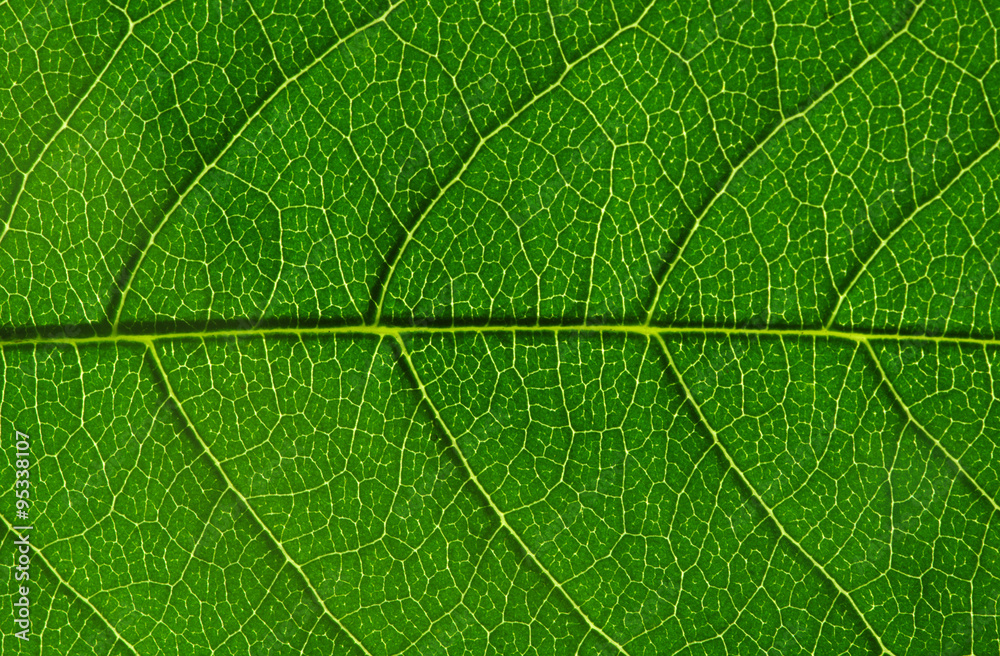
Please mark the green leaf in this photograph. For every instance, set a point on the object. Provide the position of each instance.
(598, 327)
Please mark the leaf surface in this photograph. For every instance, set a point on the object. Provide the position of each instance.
(542, 328)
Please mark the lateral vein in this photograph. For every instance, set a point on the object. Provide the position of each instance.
(936, 442)
(453, 443)
(63, 582)
(753, 491)
(758, 148)
(231, 486)
(233, 139)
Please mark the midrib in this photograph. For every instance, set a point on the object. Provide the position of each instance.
(399, 331)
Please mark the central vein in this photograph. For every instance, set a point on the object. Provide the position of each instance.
(400, 331)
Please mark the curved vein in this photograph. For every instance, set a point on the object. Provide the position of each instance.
(453, 443)
(842, 296)
(231, 486)
(63, 582)
(233, 139)
(936, 442)
(79, 103)
(387, 280)
(753, 491)
(758, 148)
(62, 127)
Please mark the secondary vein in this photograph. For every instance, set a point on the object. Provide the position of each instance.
(246, 503)
(76, 593)
(937, 443)
(758, 148)
(453, 443)
(753, 491)
(235, 137)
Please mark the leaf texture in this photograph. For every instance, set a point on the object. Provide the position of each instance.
(543, 327)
